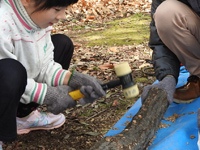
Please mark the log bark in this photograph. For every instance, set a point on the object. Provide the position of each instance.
(142, 128)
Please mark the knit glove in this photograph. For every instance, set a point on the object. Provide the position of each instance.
(168, 84)
(78, 80)
(57, 99)
(89, 94)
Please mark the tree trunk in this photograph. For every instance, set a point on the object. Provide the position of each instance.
(142, 128)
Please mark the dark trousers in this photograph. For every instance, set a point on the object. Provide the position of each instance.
(13, 79)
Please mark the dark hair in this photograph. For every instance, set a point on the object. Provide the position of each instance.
(47, 4)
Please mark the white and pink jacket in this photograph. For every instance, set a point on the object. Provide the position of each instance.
(23, 40)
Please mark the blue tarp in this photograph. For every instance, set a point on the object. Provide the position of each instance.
(179, 135)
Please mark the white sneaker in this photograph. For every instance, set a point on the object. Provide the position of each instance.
(39, 121)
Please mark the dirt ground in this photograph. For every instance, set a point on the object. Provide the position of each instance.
(85, 125)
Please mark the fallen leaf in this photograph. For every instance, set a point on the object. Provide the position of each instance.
(90, 17)
(115, 103)
(144, 65)
(92, 133)
(112, 49)
(106, 66)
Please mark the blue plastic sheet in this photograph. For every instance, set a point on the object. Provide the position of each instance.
(179, 135)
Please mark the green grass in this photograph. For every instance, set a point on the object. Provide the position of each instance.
(126, 31)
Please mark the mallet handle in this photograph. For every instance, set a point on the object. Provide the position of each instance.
(77, 94)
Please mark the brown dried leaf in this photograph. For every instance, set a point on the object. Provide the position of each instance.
(106, 66)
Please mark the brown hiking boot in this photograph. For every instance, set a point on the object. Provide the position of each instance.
(188, 92)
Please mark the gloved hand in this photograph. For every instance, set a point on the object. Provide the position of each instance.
(57, 99)
(78, 80)
(168, 84)
(89, 94)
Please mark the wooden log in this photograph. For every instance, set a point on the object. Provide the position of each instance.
(142, 128)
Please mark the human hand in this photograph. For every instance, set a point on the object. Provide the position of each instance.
(57, 99)
(89, 93)
(168, 84)
(79, 80)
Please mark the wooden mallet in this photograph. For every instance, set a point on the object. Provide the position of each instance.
(124, 73)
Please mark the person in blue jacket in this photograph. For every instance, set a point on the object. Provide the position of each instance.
(175, 40)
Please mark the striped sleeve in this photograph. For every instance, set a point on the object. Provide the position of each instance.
(38, 93)
(34, 92)
(58, 77)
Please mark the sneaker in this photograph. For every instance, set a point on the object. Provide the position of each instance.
(188, 92)
(38, 120)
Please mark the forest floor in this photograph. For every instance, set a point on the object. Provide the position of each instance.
(85, 125)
